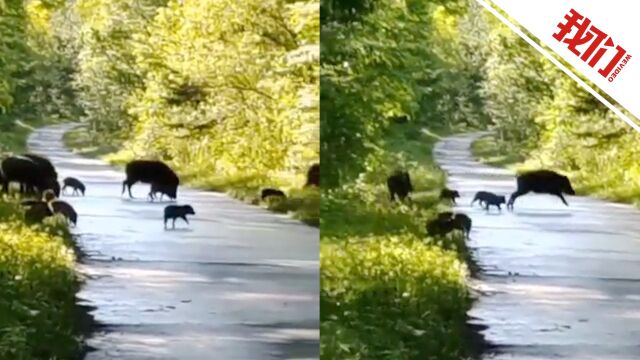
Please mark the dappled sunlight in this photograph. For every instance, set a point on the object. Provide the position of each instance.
(628, 315)
(284, 335)
(540, 292)
(306, 264)
(146, 277)
(251, 296)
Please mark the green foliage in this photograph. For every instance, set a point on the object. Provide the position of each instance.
(395, 60)
(38, 318)
(38, 314)
(393, 298)
(33, 77)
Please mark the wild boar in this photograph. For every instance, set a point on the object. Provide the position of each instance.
(75, 184)
(542, 182)
(151, 171)
(313, 176)
(399, 184)
(448, 194)
(177, 211)
(271, 192)
(487, 199)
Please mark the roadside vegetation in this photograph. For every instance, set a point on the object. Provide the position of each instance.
(39, 318)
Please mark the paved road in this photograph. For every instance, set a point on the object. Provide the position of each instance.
(574, 288)
(238, 283)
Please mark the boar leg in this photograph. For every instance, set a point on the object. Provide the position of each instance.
(559, 194)
(513, 198)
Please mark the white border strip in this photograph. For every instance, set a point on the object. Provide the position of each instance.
(559, 64)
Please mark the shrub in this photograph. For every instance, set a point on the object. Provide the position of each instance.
(393, 297)
(37, 296)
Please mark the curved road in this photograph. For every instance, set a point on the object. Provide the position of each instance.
(238, 283)
(557, 282)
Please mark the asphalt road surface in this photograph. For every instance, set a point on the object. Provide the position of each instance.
(239, 282)
(558, 282)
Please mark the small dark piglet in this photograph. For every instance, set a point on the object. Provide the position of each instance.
(36, 212)
(75, 184)
(159, 188)
(449, 194)
(487, 199)
(440, 226)
(177, 211)
(447, 222)
(313, 176)
(399, 185)
(61, 207)
(446, 215)
(462, 222)
(271, 192)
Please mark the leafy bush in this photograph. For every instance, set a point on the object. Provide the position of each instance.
(38, 315)
(388, 290)
(391, 297)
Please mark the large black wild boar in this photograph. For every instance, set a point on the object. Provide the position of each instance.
(399, 184)
(151, 172)
(44, 163)
(313, 176)
(28, 173)
(48, 170)
(542, 182)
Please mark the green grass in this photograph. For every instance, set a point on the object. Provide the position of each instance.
(84, 143)
(303, 204)
(388, 291)
(13, 135)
